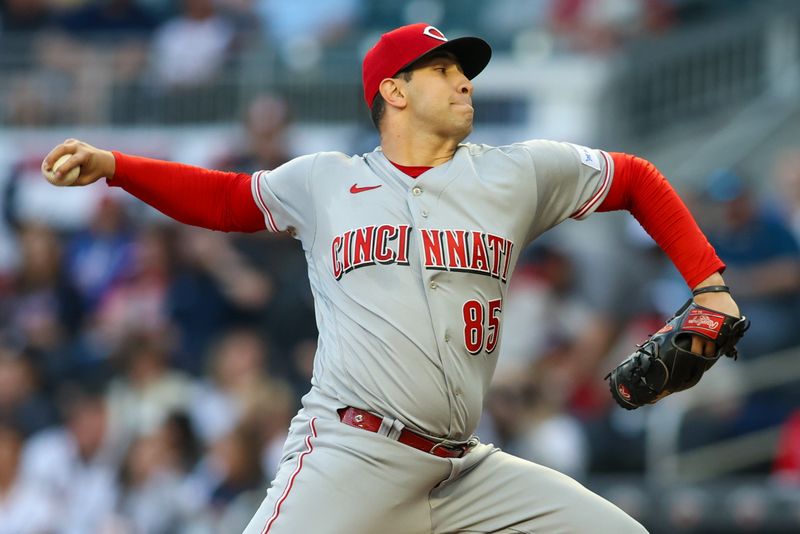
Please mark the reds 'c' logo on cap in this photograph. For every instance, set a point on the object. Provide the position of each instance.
(399, 48)
(430, 31)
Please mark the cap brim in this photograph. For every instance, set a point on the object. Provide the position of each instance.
(473, 53)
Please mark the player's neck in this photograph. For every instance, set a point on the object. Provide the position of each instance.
(417, 150)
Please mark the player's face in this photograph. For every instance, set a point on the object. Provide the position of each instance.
(440, 97)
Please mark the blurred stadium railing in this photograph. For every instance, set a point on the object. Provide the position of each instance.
(689, 74)
(774, 378)
(712, 96)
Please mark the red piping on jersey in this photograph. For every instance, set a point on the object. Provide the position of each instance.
(263, 204)
(589, 204)
(641, 189)
(211, 199)
(279, 502)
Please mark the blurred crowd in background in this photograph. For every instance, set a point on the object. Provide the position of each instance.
(74, 60)
(149, 370)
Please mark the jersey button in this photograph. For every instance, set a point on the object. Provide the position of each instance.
(447, 338)
(424, 213)
(417, 191)
(434, 285)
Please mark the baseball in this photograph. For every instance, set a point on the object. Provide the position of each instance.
(69, 179)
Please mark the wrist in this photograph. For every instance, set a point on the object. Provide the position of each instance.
(713, 280)
(108, 164)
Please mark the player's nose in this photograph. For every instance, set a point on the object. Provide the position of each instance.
(465, 86)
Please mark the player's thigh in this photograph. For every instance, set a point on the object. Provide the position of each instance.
(349, 480)
(509, 495)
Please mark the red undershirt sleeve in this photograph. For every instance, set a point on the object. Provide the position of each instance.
(210, 199)
(642, 190)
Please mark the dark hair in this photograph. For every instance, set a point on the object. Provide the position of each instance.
(379, 104)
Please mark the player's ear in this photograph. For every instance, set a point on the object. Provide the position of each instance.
(393, 92)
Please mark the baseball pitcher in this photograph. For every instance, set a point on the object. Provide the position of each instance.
(410, 250)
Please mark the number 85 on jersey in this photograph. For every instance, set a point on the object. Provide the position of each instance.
(481, 325)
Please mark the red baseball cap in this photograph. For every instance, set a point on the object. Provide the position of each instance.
(399, 48)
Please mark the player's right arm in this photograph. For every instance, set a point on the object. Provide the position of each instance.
(200, 197)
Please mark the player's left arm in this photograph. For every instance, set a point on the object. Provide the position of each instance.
(640, 188)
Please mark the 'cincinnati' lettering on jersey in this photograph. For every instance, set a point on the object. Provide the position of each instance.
(442, 250)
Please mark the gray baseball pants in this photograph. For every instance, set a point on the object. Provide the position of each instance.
(337, 479)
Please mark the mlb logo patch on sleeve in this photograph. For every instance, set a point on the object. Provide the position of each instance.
(587, 155)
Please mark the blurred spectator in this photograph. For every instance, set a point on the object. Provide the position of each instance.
(719, 404)
(142, 399)
(75, 464)
(24, 16)
(236, 457)
(99, 256)
(786, 468)
(545, 313)
(161, 10)
(266, 123)
(164, 488)
(104, 18)
(300, 31)
(136, 302)
(42, 305)
(21, 22)
(763, 262)
(25, 507)
(302, 367)
(541, 307)
(181, 441)
(214, 287)
(191, 49)
(63, 80)
(787, 174)
(112, 40)
(20, 399)
(505, 20)
(268, 413)
(152, 488)
(600, 26)
(237, 373)
(531, 423)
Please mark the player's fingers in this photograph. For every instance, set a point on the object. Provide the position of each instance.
(697, 345)
(58, 151)
(67, 165)
(87, 178)
(703, 346)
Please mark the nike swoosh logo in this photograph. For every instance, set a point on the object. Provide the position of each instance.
(355, 189)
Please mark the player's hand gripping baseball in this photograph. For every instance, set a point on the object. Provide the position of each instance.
(94, 163)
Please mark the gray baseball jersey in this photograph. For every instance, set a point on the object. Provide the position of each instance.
(408, 277)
